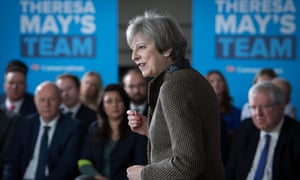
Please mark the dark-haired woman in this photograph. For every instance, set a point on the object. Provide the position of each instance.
(110, 146)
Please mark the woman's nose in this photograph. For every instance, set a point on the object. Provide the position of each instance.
(134, 56)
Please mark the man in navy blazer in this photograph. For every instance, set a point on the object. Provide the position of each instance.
(16, 99)
(70, 88)
(283, 159)
(65, 138)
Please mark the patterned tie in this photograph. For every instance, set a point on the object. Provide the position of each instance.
(263, 159)
(43, 156)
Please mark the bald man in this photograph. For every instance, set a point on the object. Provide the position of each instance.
(46, 144)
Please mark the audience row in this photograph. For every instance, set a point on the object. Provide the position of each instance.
(70, 128)
(75, 128)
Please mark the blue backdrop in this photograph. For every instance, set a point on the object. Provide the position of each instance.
(55, 37)
(239, 37)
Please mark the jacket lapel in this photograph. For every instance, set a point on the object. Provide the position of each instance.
(33, 134)
(279, 147)
(251, 145)
(58, 135)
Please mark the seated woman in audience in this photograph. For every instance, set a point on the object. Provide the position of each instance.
(110, 146)
(229, 113)
(90, 89)
(265, 74)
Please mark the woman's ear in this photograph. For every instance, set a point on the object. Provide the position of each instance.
(167, 53)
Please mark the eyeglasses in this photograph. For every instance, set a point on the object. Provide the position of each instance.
(263, 107)
(12, 83)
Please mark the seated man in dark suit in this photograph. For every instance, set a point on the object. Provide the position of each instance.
(70, 89)
(266, 146)
(46, 145)
(16, 99)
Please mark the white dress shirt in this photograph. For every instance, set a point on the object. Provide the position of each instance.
(17, 105)
(273, 141)
(32, 167)
(140, 108)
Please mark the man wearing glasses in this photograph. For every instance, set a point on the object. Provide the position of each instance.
(266, 146)
(16, 99)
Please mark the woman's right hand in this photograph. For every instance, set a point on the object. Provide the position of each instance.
(137, 122)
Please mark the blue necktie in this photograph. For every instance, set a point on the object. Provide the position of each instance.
(43, 156)
(263, 159)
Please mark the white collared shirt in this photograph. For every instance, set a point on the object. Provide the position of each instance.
(140, 108)
(273, 141)
(17, 105)
(32, 167)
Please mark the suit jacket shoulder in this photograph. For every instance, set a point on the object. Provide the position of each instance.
(28, 106)
(86, 114)
(286, 162)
